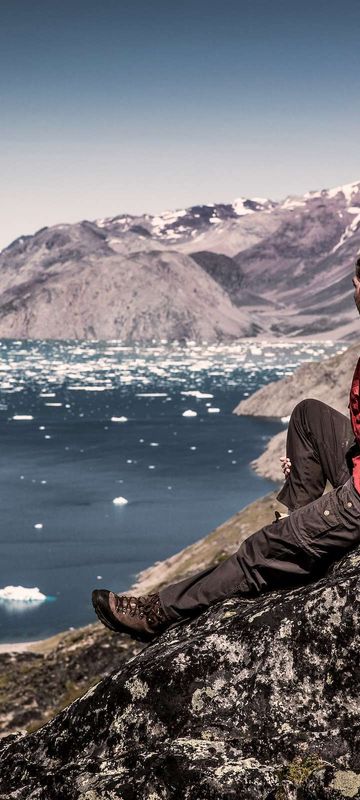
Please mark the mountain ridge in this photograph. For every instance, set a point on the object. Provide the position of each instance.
(215, 272)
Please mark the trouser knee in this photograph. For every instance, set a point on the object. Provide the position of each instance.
(306, 409)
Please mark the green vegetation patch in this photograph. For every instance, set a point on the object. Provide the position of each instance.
(297, 771)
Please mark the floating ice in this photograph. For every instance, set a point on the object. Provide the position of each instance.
(38, 525)
(154, 444)
(151, 466)
(99, 577)
(23, 416)
(119, 419)
(54, 405)
(197, 394)
(22, 594)
(120, 501)
(193, 447)
(213, 410)
(88, 388)
(189, 413)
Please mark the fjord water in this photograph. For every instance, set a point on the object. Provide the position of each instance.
(83, 423)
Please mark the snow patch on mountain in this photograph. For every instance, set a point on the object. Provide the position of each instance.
(350, 230)
(243, 205)
(240, 207)
(293, 202)
(348, 190)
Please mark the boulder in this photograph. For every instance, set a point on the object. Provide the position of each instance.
(255, 698)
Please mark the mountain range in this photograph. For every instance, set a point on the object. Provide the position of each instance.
(212, 272)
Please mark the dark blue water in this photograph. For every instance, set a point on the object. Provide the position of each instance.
(63, 468)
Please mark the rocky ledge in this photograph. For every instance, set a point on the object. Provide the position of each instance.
(254, 699)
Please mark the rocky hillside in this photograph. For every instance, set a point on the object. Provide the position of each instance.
(328, 381)
(209, 273)
(253, 699)
(36, 684)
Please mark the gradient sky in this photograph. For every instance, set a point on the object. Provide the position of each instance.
(112, 106)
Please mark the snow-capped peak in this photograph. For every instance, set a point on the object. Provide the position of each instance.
(347, 189)
(240, 207)
(244, 205)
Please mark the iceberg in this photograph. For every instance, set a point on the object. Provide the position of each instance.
(119, 419)
(22, 594)
(189, 413)
(120, 501)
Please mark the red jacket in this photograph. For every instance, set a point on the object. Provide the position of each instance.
(354, 406)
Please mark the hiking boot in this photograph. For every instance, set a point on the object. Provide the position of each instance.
(142, 618)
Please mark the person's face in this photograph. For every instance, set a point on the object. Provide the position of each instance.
(356, 285)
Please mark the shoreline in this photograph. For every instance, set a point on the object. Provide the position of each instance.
(20, 647)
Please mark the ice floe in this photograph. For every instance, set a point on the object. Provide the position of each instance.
(120, 501)
(151, 394)
(213, 410)
(198, 394)
(38, 525)
(189, 413)
(22, 416)
(119, 419)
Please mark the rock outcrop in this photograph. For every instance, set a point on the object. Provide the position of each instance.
(254, 699)
(328, 381)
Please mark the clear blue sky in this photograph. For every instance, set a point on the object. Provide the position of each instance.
(115, 106)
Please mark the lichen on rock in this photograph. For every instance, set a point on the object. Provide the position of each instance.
(223, 707)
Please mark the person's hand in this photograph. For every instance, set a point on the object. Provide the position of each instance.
(285, 465)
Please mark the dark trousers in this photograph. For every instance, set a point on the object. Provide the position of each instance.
(319, 529)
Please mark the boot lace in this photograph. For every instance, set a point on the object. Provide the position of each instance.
(148, 606)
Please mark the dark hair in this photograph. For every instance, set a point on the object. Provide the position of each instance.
(357, 267)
